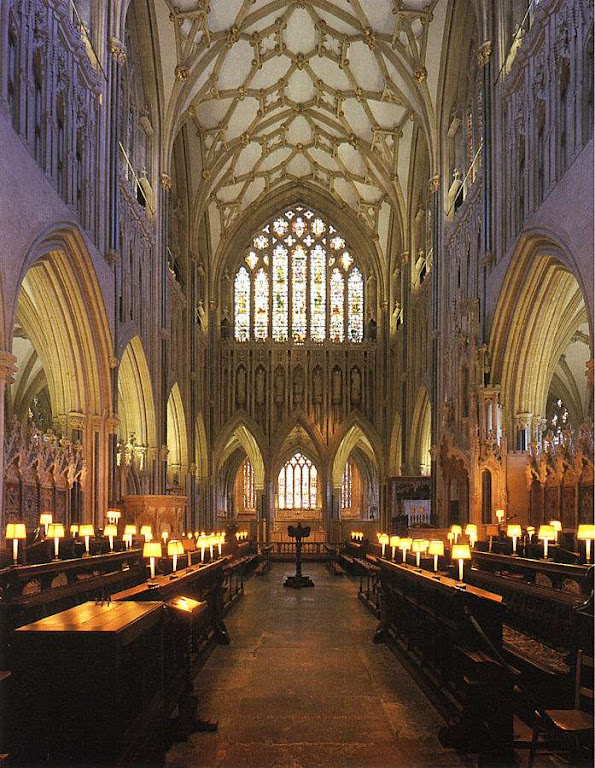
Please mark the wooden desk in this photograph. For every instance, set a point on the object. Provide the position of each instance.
(88, 682)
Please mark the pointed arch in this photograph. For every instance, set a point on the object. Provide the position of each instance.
(356, 432)
(177, 439)
(241, 432)
(136, 406)
(421, 434)
(298, 433)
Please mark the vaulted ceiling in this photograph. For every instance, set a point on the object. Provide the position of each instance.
(320, 91)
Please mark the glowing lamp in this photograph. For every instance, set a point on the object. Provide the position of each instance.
(164, 536)
(394, 543)
(557, 526)
(586, 533)
(86, 531)
(546, 533)
(499, 516)
(461, 552)
(471, 532)
(211, 543)
(456, 531)
(384, 540)
(147, 532)
(74, 529)
(175, 548)
(111, 531)
(219, 539)
(113, 516)
(436, 548)
(56, 532)
(417, 547)
(530, 531)
(129, 534)
(152, 551)
(190, 535)
(45, 519)
(514, 532)
(405, 546)
(16, 532)
(203, 544)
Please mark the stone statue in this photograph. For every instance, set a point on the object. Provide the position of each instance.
(317, 386)
(337, 387)
(279, 386)
(356, 386)
(298, 386)
(241, 387)
(260, 386)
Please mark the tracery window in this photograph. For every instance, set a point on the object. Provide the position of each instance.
(298, 484)
(299, 281)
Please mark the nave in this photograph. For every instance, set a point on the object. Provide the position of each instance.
(302, 685)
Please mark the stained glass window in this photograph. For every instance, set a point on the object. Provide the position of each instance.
(242, 304)
(297, 485)
(346, 486)
(248, 483)
(355, 306)
(299, 280)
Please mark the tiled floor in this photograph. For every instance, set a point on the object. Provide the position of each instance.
(302, 685)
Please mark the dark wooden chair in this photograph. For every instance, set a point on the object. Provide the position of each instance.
(568, 729)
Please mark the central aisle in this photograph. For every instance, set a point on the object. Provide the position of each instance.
(302, 685)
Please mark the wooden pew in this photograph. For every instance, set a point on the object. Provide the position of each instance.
(332, 559)
(444, 636)
(368, 571)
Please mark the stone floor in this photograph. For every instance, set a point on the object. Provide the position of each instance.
(302, 685)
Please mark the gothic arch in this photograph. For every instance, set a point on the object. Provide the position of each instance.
(356, 433)
(136, 406)
(298, 434)
(177, 439)
(241, 431)
(420, 441)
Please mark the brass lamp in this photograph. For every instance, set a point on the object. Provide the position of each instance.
(405, 546)
(384, 539)
(16, 531)
(175, 548)
(456, 531)
(436, 548)
(45, 519)
(56, 532)
(586, 533)
(461, 552)
(417, 547)
(152, 550)
(394, 543)
(471, 532)
(111, 530)
(74, 529)
(514, 532)
(147, 532)
(86, 531)
(557, 526)
(129, 534)
(546, 533)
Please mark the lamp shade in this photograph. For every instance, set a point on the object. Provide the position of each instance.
(530, 530)
(584, 533)
(546, 533)
(152, 549)
(56, 531)
(500, 514)
(130, 530)
(175, 547)
(419, 545)
(471, 529)
(405, 543)
(456, 529)
(86, 530)
(145, 529)
(394, 541)
(114, 514)
(45, 518)
(436, 547)
(461, 552)
(384, 538)
(514, 531)
(556, 525)
(16, 531)
(74, 529)
(110, 530)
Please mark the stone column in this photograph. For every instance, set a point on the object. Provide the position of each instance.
(484, 60)
(405, 291)
(7, 370)
(164, 203)
(435, 395)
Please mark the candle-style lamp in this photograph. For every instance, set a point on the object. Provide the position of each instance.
(174, 548)
(586, 533)
(152, 550)
(514, 532)
(86, 531)
(471, 532)
(417, 547)
(165, 537)
(546, 533)
(56, 532)
(219, 542)
(45, 519)
(384, 540)
(17, 532)
(111, 531)
(129, 534)
(557, 526)
(74, 529)
(405, 546)
(436, 548)
(113, 516)
(147, 532)
(211, 544)
(500, 518)
(203, 543)
(461, 552)
(530, 532)
(456, 531)
(394, 543)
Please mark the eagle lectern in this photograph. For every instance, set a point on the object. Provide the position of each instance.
(298, 581)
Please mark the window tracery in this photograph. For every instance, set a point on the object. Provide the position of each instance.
(299, 281)
(297, 484)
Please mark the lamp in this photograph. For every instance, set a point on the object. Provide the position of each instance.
(557, 526)
(394, 543)
(113, 516)
(404, 546)
(110, 531)
(16, 531)
(190, 535)
(74, 529)
(86, 531)
(418, 546)
(530, 531)
(456, 531)
(129, 534)
(45, 519)
(514, 532)
(436, 548)
(471, 532)
(164, 536)
(56, 532)
(152, 550)
(147, 532)
(175, 548)
(211, 543)
(499, 516)
(586, 533)
(461, 552)
(384, 539)
(203, 543)
(546, 533)
(219, 538)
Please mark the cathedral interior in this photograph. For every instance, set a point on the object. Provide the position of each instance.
(296, 285)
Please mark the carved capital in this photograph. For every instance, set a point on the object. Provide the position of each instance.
(420, 74)
(8, 367)
(483, 53)
(434, 183)
(405, 257)
(182, 73)
(113, 362)
(166, 181)
(117, 50)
